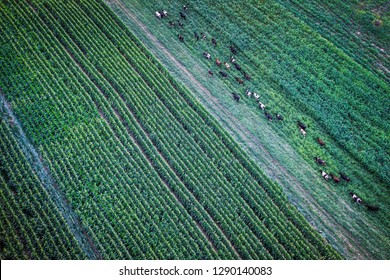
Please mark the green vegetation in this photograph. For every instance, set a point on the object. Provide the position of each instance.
(329, 69)
(146, 169)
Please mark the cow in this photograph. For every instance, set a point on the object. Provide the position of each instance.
(211, 73)
(238, 67)
(181, 38)
(248, 93)
(164, 14)
(196, 36)
(302, 131)
(207, 55)
(319, 141)
(319, 161)
(182, 15)
(256, 96)
(261, 106)
(236, 96)
(268, 115)
(233, 49)
(335, 178)
(355, 197)
(240, 81)
(344, 177)
(232, 60)
(157, 14)
(226, 65)
(372, 207)
(213, 41)
(247, 76)
(217, 61)
(301, 125)
(223, 74)
(325, 175)
(279, 117)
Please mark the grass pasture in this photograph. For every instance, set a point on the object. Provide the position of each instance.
(307, 65)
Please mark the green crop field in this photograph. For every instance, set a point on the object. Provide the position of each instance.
(109, 153)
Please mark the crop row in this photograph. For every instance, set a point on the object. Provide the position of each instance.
(125, 127)
(136, 168)
(33, 225)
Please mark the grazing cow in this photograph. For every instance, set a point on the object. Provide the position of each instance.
(180, 24)
(355, 197)
(335, 179)
(325, 175)
(320, 161)
(319, 141)
(203, 36)
(240, 81)
(279, 117)
(213, 41)
(181, 38)
(185, 8)
(232, 60)
(217, 61)
(164, 14)
(372, 207)
(226, 65)
(247, 76)
(233, 50)
(256, 96)
(223, 74)
(236, 96)
(211, 73)
(302, 131)
(196, 36)
(344, 177)
(268, 115)
(248, 93)
(183, 16)
(207, 55)
(158, 15)
(238, 67)
(261, 106)
(301, 125)
(172, 24)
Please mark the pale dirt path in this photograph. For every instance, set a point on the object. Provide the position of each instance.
(233, 125)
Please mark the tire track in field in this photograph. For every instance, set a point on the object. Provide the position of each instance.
(234, 125)
(147, 158)
(43, 173)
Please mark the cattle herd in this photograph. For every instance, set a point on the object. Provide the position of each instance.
(224, 73)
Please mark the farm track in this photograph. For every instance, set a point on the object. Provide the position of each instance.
(233, 124)
(50, 185)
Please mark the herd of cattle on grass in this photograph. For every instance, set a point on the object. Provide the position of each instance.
(224, 73)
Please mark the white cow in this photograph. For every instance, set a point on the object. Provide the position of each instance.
(261, 106)
(325, 175)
